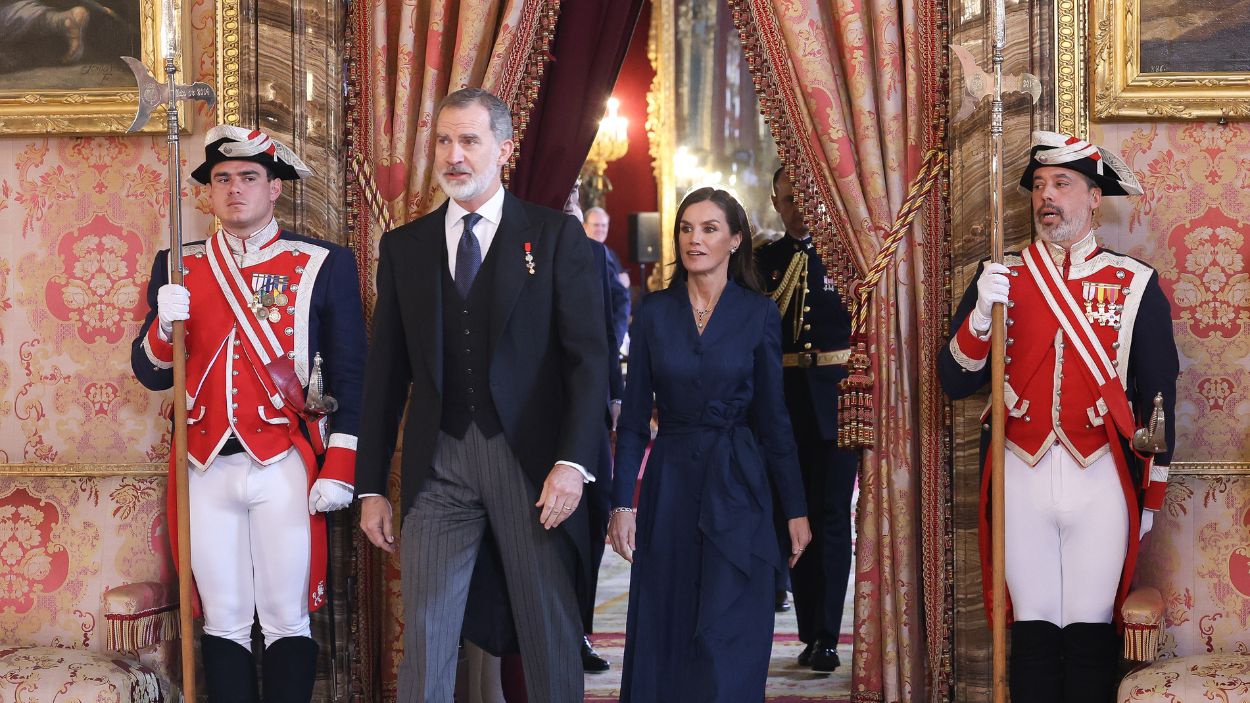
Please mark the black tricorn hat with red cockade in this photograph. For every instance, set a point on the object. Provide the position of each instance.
(1104, 168)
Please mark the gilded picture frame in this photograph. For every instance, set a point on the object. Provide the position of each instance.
(60, 69)
(1167, 59)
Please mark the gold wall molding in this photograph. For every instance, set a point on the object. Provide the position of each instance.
(1071, 113)
(1121, 90)
(229, 110)
(1209, 468)
(104, 109)
(661, 128)
(80, 470)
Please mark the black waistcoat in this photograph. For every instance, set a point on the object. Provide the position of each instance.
(466, 358)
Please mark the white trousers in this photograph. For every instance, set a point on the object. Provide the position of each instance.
(1066, 537)
(251, 547)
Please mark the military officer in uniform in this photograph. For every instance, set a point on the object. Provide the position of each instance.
(815, 338)
(1091, 370)
(275, 353)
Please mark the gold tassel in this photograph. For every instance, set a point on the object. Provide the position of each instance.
(855, 403)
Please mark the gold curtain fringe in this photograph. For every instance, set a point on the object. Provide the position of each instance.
(132, 632)
(525, 95)
(755, 29)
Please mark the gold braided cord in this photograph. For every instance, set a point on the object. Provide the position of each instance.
(363, 173)
(930, 170)
(795, 279)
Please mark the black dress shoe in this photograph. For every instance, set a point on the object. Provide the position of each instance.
(825, 656)
(805, 657)
(592, 663)
(783, 603)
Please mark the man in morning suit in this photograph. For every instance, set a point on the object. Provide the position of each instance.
(489, 327)
(815, 340)
(1093, 329)
(273, 325)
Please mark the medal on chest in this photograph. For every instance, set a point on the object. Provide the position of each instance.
(1104, 303)
(269, 296)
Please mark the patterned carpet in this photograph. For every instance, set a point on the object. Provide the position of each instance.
(787, 681)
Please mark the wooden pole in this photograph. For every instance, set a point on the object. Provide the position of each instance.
(179, 448)
(997, 375)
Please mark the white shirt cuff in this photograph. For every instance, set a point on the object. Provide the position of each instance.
(367, 495)
(586, 477)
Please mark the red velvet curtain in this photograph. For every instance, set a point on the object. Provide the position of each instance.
(591, 40)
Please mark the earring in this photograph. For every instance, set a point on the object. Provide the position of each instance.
(733, 250)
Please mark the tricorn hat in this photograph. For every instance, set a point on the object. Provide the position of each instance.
(229, 143)
(1108, 171)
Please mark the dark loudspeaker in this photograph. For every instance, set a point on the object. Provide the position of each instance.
(644, 237)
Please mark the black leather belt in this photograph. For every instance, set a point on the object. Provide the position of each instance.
(232, 446)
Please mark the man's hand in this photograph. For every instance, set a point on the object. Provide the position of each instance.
(562, 491)
(375, 520)
(328, 494)
(1147, 522)
(173, 302)
(993, 286)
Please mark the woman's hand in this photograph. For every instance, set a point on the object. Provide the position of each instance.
(800, 537)
(621, 528)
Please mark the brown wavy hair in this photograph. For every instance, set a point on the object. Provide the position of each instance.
(741, 263)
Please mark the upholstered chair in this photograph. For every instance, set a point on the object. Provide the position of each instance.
(86, 612)
(1187, 624)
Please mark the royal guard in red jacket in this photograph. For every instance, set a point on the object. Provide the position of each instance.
(275, 350)
(1091, 371)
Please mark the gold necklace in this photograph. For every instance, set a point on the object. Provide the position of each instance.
(701, 314)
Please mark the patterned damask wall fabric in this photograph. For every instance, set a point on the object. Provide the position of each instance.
(64, 542)
(1193, 225)
(1199, 558)
(80, 220)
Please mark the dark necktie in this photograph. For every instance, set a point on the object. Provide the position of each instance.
(468, 256)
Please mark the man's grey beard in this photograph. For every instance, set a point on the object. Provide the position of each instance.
(477, 185)
(1063, 231)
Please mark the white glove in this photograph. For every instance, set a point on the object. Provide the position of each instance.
(1147, 522)
(173, 302)
(993, 286)
(328, 494)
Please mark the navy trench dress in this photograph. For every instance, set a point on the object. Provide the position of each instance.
(701, 593)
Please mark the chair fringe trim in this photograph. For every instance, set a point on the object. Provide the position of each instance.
(130, 632)
(1141, 642)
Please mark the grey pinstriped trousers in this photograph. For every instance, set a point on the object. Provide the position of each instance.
(478, 482)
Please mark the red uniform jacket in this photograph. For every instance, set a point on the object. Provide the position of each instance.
(229, 391)
(1050, 396)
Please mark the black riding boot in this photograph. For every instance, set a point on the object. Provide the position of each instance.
(290, 669)
(1036, 672)
(1089, 662)
(229, 671)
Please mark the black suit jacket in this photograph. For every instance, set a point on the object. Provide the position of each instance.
(548, 369)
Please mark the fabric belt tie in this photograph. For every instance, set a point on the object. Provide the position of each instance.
(807, 360)
(727, 522)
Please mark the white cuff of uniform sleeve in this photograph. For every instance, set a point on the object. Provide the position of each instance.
(1158, 474)
(586, 477)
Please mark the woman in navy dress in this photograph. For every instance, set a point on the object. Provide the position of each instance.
(703, 542)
